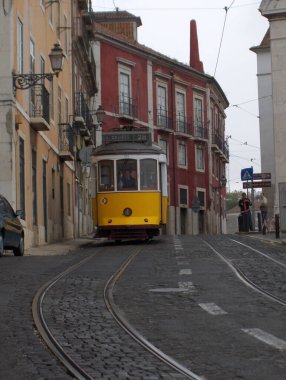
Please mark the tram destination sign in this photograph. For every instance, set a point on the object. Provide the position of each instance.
(127, 136)
(261, 176)
(252, 185)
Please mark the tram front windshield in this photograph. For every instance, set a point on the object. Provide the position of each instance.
(127, 175)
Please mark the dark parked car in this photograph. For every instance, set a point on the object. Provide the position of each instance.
(11, 229)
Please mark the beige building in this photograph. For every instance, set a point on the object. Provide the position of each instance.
(43, 128)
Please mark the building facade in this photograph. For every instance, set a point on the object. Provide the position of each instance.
(181, 105)
(49, 127)
(43, 128)
(271, 74)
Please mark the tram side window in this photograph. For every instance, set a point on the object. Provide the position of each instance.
(126, 175)
(106, 175)
(148, 174)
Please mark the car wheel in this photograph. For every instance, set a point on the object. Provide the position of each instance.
(1, 245)
(19, 251)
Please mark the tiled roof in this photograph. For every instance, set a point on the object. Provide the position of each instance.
(119, 16)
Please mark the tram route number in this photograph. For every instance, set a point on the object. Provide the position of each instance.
(252, 185)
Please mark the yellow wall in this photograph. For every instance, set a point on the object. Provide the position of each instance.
(37, 26)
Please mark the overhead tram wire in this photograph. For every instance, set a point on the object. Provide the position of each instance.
(185, 8)
(243, 142)
(244, 110)
(250, 101)
(222, 34)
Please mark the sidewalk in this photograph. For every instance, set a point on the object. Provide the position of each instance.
(270, 236)
(60, 248)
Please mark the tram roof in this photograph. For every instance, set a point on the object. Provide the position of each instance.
(125, 147)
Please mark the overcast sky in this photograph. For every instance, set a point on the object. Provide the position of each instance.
(166, 29)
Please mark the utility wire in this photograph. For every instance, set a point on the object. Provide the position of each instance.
(243, 142)
(185, 8)
(243, 109)
(245, 159)
(251, 100)
(222, 34)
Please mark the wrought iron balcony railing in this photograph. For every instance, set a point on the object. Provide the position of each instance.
(162, 120)
(81, 112)
(220, 144)
(66, 142)
(225, 149)
(127, 107)
(200, 131)
(182, 124)
(39, 108)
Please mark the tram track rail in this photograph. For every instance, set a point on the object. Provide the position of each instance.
(72, 367)
(128, 328)
(243, 277)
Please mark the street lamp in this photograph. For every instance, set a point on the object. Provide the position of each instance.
(25, 81)
(223, 181)
(100, 114)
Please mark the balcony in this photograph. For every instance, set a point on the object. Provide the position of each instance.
(81, 35)
(182, 125)
(83, 121)
(216, 142)
(66, 142)
(200, 131)
(39, 108)
(225, 151)
(220, 146)
(127, 108)
(162, 119)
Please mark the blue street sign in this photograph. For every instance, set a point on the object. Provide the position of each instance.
(247, 174)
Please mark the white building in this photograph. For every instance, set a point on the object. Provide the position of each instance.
(271, 71)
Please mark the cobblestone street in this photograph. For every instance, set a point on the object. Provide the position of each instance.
(177, 293)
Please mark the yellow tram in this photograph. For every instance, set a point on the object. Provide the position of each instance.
(130, 200)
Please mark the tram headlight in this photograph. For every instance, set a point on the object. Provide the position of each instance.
(127, 211)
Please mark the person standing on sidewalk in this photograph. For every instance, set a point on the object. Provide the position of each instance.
(244, 203)
(263, 211)
(263, 207)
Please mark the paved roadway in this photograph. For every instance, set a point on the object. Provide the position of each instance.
(177, 293)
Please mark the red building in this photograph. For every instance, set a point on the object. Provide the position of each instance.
(181, 105)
